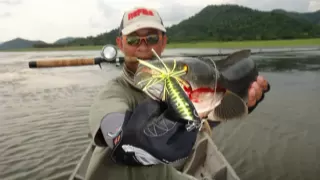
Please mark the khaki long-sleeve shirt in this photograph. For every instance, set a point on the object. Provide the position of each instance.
(119, 95)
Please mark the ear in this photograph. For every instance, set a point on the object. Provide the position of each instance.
(119, 43)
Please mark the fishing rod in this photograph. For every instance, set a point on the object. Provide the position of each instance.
(109, 54)
(230, 67)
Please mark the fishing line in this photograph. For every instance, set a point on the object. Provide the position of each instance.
(216, 76)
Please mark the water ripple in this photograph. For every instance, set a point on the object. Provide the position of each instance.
(44, 118)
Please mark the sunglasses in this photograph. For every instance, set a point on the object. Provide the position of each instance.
(136, 40)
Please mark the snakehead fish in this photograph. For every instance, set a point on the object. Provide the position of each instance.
(217, 89)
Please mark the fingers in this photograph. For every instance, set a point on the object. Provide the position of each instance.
(263, 83)
(252, 97)
(255, 94)
(258, 90)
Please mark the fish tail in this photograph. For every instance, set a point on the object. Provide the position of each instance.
(231, 107)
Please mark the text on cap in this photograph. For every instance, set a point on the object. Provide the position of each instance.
(138, 12)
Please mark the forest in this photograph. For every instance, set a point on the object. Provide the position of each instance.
(227, 23)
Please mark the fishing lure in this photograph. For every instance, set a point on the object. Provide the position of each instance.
(173, 92)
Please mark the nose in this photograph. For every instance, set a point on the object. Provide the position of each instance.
(143, 45)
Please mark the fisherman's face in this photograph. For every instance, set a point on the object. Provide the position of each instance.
(139, 44)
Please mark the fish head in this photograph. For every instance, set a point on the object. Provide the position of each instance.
(200, 74)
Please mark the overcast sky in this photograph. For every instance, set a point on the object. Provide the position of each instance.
(49, 20)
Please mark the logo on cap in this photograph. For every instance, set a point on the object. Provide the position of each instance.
(116, 140)
(138, 12)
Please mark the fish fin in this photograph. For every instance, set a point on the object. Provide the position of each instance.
(231, 107)
(233, 58)
(238, 73)
(245, 53)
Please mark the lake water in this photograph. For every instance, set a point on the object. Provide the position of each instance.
(43, 117)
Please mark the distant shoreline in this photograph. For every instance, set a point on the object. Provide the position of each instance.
(296, 43)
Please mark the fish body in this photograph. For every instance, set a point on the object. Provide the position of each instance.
(217, 89)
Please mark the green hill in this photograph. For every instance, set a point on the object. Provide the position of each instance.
(64, 40)
(212, 23)
(313, 17)
(231, 23)
(101, 39)
(19, 43)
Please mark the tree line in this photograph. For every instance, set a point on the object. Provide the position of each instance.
(227, 23)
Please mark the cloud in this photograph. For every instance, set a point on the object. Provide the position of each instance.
(314, 5)
(50, 20)
(10, 2)
(170, 15)
(5, 15)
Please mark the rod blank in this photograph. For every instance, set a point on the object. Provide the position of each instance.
(63, 62)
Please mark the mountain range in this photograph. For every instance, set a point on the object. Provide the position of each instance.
(214, 22)
(18, 43)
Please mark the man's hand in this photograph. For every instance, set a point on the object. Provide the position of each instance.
(148, 137)
(257, 90)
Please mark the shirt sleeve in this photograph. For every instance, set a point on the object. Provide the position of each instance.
(111, 99)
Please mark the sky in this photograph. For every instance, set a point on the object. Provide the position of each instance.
(50, 20)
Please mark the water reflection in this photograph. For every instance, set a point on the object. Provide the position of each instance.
(288, 62)
(44, 125)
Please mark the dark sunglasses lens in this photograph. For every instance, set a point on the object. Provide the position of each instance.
(133, 40)
(153, 39)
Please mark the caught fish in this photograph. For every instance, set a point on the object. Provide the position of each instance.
(217, 89)
(172, 91)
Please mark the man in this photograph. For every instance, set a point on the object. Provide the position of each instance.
(123, 120)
